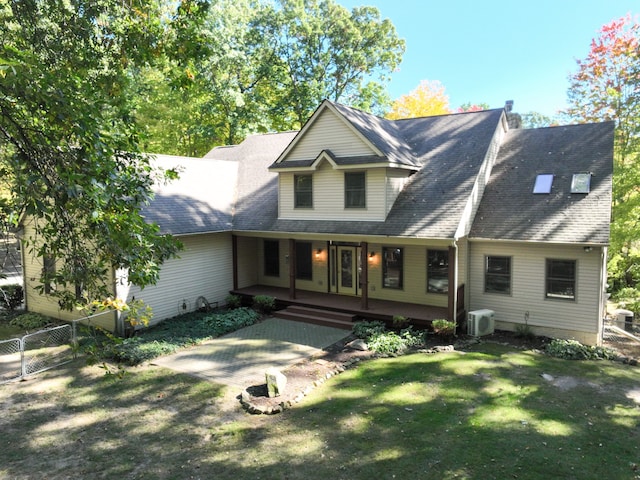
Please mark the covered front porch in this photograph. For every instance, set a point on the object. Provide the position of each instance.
(385, 310)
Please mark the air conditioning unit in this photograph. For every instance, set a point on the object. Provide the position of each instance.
(480, 322)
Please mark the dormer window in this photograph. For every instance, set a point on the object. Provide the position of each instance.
(355, 190)
(303, 191)
(543, 183)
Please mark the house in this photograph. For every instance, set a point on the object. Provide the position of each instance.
(429, 218)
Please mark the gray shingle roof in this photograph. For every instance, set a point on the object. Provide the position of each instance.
(511, 211)
(199, 201)
(450, 148)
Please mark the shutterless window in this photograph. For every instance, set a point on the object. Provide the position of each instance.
(561, 279)
(355, 190)
(272, 258)
(497, 275)
(543, 183)
(304, 262)
(392, 267)
(437, 271)
(48, 272)
(303, 191)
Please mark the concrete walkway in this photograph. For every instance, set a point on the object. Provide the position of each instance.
(241, 358)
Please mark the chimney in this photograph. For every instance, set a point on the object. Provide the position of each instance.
(514, 120)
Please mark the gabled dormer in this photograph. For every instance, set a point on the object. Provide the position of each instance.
(344, 165)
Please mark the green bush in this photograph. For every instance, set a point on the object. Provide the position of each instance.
(367, 329)
(11, 296)
(444, 328)
(629, 298)
(384, 342)
(31, 321)
(264, 303)
(222, 323)
(233, 301)
(574, 350)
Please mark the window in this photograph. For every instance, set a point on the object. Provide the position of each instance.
(304, 262)
(497, 275)
(303, 191)
(561, 279)
(272, 258)
(581, 183)
(48, 271)
(437, 271)
(392, 267)
(543, 183)
(355, 190)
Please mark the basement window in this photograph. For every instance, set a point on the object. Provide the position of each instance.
(581, 183)
(543, 183)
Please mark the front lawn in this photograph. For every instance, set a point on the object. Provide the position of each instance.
(490, 412)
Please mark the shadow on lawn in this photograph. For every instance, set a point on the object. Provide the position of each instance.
(479, 415)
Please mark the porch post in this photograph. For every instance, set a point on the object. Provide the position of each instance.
(451, 303)
(234, 256)
(292, 269)
(364, 275)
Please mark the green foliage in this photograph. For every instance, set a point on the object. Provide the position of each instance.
(264, 303)
(167, 337)
(524, 331)
(606, 87)
(233, 301)
(31, 321)
(384, 342)
(367, 329)
(574, 350)
(70, 142)
(443, 327)
(629, 298)
(400, 321)
(11, 296)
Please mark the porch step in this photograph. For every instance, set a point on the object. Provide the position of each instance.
(317, 317)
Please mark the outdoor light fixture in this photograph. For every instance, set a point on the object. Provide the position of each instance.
(587, 249)
(318, 252)
(372, 255)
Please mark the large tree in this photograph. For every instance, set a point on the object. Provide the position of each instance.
(427, 99)
(606, 86)
(265, 66)
(69, 142)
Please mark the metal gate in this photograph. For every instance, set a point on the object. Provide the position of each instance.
(36, 352)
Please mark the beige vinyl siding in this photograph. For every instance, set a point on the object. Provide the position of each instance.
(42, 303)
(481, 182)
(205, 268)
(329, 132)
(414, 281)
(579, 318)
(249, 257)
(328, 197)
(396, 180)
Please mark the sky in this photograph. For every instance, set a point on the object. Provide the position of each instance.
(490, 51)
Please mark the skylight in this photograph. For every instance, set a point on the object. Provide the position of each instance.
(581, 183)
(543, 183)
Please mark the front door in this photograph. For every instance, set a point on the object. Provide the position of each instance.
(345, 270)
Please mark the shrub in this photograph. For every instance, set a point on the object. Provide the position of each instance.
(629, 298)
(400, 321)
(230, 321)
(264, 303)
(367, 329)
(31, 321)
(524, 331)
(233, 301)
(574, 350)
(11, 296)
(443, 327)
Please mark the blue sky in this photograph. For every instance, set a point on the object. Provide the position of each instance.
(489, 51)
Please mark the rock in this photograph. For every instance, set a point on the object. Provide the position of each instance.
(276, 382)
(358, 344)
(547, 377)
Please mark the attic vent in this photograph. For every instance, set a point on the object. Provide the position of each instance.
(581, 183)
(543, 183)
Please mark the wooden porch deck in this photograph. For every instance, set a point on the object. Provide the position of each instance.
(420, 315)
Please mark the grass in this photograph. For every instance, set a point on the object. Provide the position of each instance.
(482, 414)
